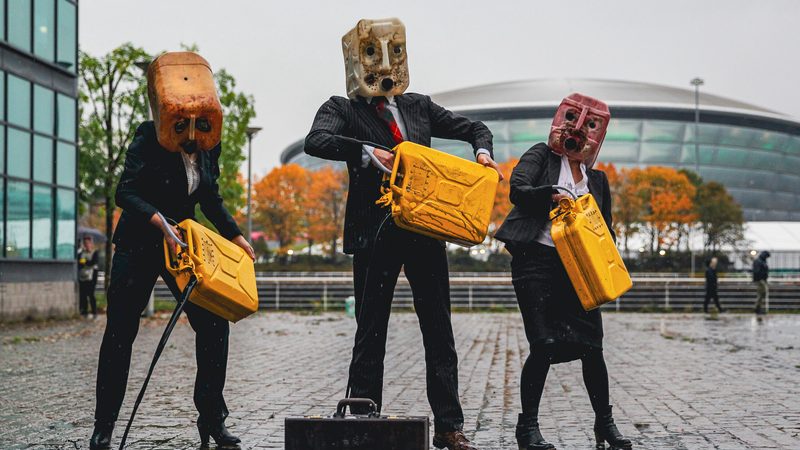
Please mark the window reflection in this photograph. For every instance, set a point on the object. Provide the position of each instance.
(65, 226)
(18, 220)
(42, 225)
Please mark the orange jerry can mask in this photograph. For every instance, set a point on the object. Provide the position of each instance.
(183, 98)
(226, 277)
(588, 252)
(439, 195)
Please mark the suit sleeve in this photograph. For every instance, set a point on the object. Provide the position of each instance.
(321, 141)
(525, 177)
(134, 173)
(211, 202)
(449, 125)
(607, 216)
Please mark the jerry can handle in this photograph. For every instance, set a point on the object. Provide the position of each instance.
(343, 403)
(567, 190)
(170, 232)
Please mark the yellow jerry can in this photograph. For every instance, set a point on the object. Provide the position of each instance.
(586, 248)
(226, 277)
(439, 195)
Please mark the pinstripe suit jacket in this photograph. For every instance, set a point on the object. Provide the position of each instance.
(356, 119)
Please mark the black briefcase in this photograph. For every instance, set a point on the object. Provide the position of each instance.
(370, 431)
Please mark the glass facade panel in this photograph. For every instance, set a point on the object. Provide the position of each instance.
(42, 222)
(66, 117)
(19, 153)
(67, 35)
(732, 157)
(65, 164)
(19, 29)
(528, 130)
(2, 156)
(659, 152)
(766, 161)
(43, 109)
(2, 215)
(44, 21)
(43, 159)
(18, 220)
(2, 88)
(624, 130)
(662, 131)
(619, 151)
(65, 224)
(19, 101)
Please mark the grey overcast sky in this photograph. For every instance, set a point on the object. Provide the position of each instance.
(287, 53)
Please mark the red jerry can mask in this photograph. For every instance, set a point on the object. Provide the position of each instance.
(579, 128)
(183, 98)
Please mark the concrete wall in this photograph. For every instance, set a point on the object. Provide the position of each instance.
(37, 290)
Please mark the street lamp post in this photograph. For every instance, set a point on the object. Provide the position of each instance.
(251, 131)
(697, 82)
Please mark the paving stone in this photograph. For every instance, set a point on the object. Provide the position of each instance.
(677, 381)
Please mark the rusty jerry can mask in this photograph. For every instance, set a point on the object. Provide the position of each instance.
(439, 195)
(587, 250)
(183, 98)
(226, 277)
(375, 61)
(579, 127)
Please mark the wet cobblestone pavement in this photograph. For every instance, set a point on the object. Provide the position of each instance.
(677, 381)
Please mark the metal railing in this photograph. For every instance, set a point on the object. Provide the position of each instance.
(328, 291)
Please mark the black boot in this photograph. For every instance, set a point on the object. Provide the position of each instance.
(222, 437)
(528, 435)
(101, 436)
(606, 431)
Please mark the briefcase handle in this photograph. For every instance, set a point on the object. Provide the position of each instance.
(343, 403)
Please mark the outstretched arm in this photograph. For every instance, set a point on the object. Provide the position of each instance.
(321, 141)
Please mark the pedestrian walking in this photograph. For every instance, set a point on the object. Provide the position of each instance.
(711, 285)
(87, 276)
(760, 275)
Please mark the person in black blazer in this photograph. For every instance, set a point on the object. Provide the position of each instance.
(170, 181)
(556, 325)
(387, 116)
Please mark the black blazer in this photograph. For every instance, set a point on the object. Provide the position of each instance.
(539, 166)
(356, 119)
(154, 179)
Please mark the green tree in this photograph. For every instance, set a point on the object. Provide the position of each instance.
(112, 104)
(720, 217)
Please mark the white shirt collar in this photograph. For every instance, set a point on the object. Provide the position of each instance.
(389, 99)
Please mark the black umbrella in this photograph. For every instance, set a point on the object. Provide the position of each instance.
(97, 235)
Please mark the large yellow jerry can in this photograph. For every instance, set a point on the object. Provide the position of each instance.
(587, 250)
(226, 277)
(440, 195)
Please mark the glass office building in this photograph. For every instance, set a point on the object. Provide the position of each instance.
(38, 157)
(754, 152)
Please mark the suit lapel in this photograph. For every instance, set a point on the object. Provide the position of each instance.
(376, 129)
(409, 115)
(595, 187)
(553, 168)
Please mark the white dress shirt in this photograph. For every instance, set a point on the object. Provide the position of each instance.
(192, 171)
(564, 179)
(391, 105)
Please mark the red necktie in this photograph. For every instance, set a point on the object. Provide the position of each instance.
(387, 116)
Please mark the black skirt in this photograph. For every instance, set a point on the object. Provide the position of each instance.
(550, 308)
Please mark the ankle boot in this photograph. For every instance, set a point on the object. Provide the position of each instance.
(528, 435)
(222, 437)
(101, 436)
(606, 431)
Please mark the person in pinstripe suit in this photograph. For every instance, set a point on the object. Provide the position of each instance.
(379, 111)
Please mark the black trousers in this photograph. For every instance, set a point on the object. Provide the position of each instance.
(133, 275)
(711, 293)
(375, 273)
(86, 296)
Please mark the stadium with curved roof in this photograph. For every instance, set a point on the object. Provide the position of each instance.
(753, 151)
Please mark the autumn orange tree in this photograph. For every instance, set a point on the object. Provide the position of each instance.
(627, 207)
(502, 199)
(667, 199)
(278, 203)
(325, 205)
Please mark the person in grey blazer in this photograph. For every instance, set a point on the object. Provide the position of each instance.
(556, 325)
(378, 110)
